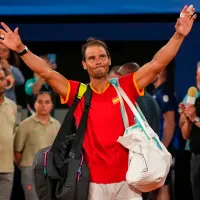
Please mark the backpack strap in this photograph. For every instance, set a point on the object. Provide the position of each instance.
(81, 90)
(66, 127)
(78, 141)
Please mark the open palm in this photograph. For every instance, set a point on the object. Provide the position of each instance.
(185, 22)
(9, 38)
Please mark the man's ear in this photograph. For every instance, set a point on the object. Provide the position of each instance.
(109, 60)
(34, 105)
(84, 65)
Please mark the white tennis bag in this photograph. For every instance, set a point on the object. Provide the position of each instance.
(149, 160)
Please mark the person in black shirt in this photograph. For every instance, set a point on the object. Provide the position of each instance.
(190, 127)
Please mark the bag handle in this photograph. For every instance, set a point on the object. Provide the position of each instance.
(123, 110)
(137, 115)
(140, 112)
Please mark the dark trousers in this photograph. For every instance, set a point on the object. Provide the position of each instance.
(17, 191)
(146, 196)
(183, 190)
(195, 176)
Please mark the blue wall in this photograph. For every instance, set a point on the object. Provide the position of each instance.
(58, 7)
(185, 61)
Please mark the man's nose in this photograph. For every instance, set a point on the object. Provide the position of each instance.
(98, 60)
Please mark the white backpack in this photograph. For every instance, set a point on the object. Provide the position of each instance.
(149, 160)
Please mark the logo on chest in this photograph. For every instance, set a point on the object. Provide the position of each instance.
(115, 100)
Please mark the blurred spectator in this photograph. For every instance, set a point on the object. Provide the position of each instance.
(113, 73)
(8, 112)
(170, 133)
(7, 61)
(190, 127)
(34, 133)
(147, 104)
(36, 84)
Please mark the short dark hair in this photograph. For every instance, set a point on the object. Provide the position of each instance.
(114, 69)
(94, 42)
(41, 93)
(131, 66)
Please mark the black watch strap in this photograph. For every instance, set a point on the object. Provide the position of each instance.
(24, 51)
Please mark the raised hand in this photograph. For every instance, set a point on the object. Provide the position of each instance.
(190, 111)
(186, 20)
(11, 39)
(181, 108)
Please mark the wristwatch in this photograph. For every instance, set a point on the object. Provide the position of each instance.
(196, 119)
(24, 51)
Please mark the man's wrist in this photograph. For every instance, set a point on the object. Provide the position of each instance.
(178, 36)
(20, 48)
(196, 120)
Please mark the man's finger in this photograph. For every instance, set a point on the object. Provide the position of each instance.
(184, 9)
(16, 31)
(2, 32)
(6, 27)
(190, 10)
(194, 17)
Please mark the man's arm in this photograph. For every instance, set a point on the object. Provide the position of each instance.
(18, 158)
(58, 82)
(161, 59)
(146, 74)
(19, 142)
(185, 126)
(13, 41)
(169, 127)
(37, 86)
(182, 119)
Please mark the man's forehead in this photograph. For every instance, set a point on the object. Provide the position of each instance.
(43, 97)
(95, 50)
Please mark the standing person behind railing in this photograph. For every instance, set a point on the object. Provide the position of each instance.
(8, 110)
(34, 133)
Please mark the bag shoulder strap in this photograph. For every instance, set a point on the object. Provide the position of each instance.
(81, 90)
(134, 110)
(68, 120)
(78, 141)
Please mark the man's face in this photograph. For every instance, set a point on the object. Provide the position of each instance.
(4, 52)
(3, 83)
(43, 104)
(198, 77)
(96, 61)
